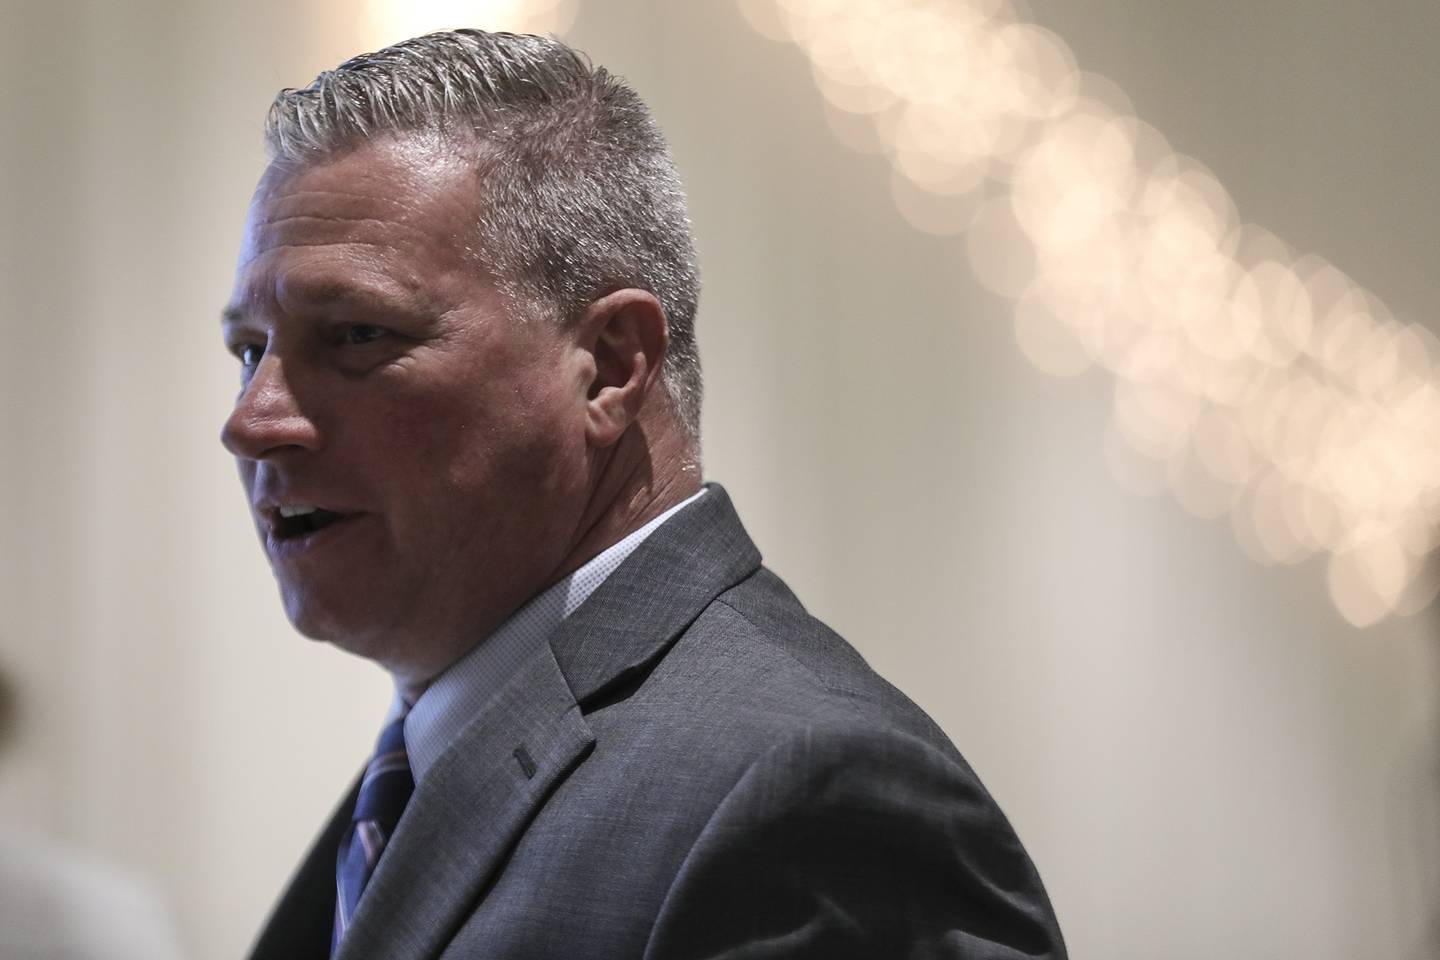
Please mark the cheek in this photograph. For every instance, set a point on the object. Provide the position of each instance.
(409, 431)
(491, 436)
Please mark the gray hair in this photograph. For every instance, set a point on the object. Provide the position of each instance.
(581, 195)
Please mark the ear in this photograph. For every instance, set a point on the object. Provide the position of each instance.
(627, 335)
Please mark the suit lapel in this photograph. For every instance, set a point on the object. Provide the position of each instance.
(467, 812)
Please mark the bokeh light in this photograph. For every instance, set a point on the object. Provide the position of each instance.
(1250, 379)
(389, 21)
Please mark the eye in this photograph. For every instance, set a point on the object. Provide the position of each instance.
(356, 334)
(249, 354)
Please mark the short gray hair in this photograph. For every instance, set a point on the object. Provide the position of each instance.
(581, 195)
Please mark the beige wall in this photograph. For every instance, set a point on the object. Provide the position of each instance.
(1202, 757)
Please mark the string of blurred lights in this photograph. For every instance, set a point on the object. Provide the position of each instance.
(1249, 379)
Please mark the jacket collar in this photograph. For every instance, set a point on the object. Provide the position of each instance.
(634, 616)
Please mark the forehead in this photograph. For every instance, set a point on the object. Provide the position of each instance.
(393, 205)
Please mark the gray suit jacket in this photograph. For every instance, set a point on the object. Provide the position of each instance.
(695, 767)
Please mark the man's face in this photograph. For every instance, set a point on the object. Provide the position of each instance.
(385, 382)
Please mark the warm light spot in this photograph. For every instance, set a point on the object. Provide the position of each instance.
(1377, 362)
(1047, 342)
(766, 19)
(1000, 253)
(863, 99)
(1343, 334)
(1417, 534)
(1087, 317)
(1251, 245)
(1416, 407)
(1301, 412)
(858, 132)
(1423, 588)
(1267, 518)
(1078, 174)
(1366, 582)
(1045, 82)
(1285, 317)
(1326, 282)
(1197, 489)
(932, 213)
(1222, 447)
(1227, 383)
(940, 151)
(1220, 308)
(1311, 516)
(1416, 351)
(1183, 196)
(390, 21)
(1156, 417)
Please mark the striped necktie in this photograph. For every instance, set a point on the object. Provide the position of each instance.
(386, 787)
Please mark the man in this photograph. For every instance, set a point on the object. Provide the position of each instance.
(468, 429)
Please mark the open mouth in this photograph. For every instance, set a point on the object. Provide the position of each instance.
(303, 521)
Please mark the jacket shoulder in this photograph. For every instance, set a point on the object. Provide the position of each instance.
(758, 652)
(856, 844)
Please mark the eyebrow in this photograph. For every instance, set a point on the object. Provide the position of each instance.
(367, 296)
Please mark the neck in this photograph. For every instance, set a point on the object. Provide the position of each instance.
(650, 469)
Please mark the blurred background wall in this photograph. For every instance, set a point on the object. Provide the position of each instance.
(1202, 755)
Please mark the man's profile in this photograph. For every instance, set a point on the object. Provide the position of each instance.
(469, 432)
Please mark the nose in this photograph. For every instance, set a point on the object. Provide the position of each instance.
(267, 420)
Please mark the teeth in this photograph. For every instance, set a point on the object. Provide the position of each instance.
(296, 510)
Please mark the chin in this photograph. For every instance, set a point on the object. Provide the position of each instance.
(359, 632)
(346, 629)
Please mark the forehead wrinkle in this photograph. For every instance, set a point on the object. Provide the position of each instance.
(304, 284)
(366, 289)
(298, 290)
(300, 286)
(256, 249)
(311, 229)
(298, 220)
(280, 196)
(288, 235)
